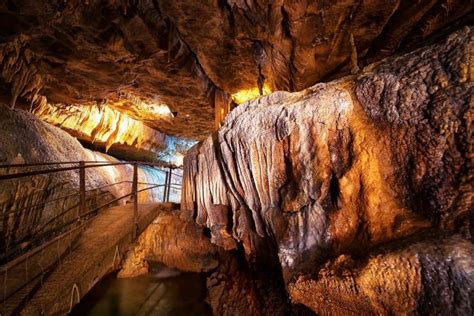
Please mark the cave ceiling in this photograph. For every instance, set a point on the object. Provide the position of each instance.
(195, 55)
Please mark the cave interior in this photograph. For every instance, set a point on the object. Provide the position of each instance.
(236, 157)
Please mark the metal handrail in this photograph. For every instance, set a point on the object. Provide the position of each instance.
(82, 166)
(35, 164)
(95, 210)
(108, 185)
(120, 198)
(59, 199)
(101, 164)
(18, 165)
(47, 171)
(15, 261)
(65, 223)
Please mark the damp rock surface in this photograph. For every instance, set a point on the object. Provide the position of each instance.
(345, 180)
(173, 241)
(194, 55)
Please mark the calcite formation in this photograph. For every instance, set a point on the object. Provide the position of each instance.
(195, 55)
(103, 125)
(361, 187)
(349, 190)
(433, 275)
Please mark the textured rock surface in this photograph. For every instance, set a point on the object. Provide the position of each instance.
(422, 277)
(240, 288)
(235, 287)
(103, 125)
(324, 177)
(177, 243)
(191, 55)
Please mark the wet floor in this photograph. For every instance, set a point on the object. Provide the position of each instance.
(160, 292)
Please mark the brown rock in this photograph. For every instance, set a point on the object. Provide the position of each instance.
(421, 277)
(177, 243)
(191, 55)
(344, 167)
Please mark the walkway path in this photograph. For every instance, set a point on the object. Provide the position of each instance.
(96, 251)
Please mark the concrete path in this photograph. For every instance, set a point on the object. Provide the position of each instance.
(98, 250)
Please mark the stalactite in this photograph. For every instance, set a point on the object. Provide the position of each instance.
(18, 69)
(112, 138)
(354, 58)
(222, 106)
(102, 124)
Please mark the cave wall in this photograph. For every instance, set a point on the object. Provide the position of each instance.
(103, 125)
(174, 241)
(361, 187)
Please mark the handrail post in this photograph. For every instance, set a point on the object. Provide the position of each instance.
(169, 185)
(82, 190)
(165, 188)
(135, 199)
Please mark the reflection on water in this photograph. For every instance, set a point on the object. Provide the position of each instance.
(150, 294)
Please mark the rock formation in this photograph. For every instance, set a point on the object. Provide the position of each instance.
(194, 55)
(103, 125)
(362, 187)
(349, 190)
(178, 243)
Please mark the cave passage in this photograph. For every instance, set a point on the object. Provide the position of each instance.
(231, 157)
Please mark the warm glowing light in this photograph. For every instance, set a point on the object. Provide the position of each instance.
(160, 109)
(102, 124)
(112, 172)
(148, 109)
(249, 94)
(178, 159)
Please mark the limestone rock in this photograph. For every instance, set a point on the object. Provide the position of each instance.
(422, 277)
(343, 168)
(35, 208)
(192, 55)
(175, 242)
